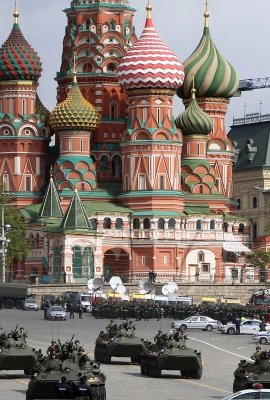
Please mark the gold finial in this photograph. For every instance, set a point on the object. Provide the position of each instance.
(206, 15)
(16, 13)
(149, 10)
(76, 188)
(74, 67)
(193, 90)
(51, 172)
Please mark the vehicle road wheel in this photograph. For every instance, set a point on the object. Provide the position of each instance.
(231, 331)
(20, 304)
(196, 374)
(208, 328)
(107, 357)
(9, 303)
(146, 367)
(157, 370)
(183, 327)
(263, 340)
(135, 360)
(143, 366)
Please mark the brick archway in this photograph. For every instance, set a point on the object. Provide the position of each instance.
(116, 261)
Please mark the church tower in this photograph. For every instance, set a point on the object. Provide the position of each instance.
(100, 31)
(24, 137)
(215, 82)
(150, 73)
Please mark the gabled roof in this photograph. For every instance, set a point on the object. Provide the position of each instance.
(76, 216)
(252, 145)
(51, 207)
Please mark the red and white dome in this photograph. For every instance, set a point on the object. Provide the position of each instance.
(150, 63)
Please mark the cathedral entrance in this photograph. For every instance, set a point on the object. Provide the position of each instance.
(116, 262)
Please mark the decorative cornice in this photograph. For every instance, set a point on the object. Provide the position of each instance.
(138, 92)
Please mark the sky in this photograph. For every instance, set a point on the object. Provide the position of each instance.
(239, 29)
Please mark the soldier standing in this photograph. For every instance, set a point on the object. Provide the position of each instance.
(71, 311)
(63, 389)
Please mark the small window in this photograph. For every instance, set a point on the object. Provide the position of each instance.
(199, 225)
(201, 189)
(171, 223)
(141, 182)
(238, 204)
(158, 115)
(212, 224)
(225, 226)
(28, 183)
(143, 260)
(146, 223)
(6, 182)
(118, 223)
(81, 145)
(93, 222)
(255, 202)
(104, 163)
(241, 228)
(201, 256)
(106, 134)
(69, 145)
(145, 115)
(162, 182)
(161, 223)
(165, 260)
(136, 223)
(107, 223)
(205, 268)
(24, 109)
(198, 149)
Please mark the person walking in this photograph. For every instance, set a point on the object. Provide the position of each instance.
(71, 310)
(237, 325)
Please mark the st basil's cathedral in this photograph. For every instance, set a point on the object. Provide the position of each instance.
(127, 188)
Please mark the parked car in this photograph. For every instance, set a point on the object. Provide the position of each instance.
(248, 327)
(262, 337)
(197, 321)
(56, 312)
(30, 304)
(249, 394)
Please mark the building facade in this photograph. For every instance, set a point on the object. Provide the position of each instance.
(127, 188)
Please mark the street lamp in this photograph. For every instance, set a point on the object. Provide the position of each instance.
(4, 241)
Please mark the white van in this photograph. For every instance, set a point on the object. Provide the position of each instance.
(86, 301)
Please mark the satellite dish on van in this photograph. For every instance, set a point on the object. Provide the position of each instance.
(121, 289)
(140, 284)
(172, 296)
(115, 281)
(90, 284)
(172, 287)
(98, 283)
(165, 290)
(148, 287)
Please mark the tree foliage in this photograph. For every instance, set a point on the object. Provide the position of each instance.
(261, 259)
(18, 247)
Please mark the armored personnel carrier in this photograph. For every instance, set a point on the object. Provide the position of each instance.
(19, 358)
(42, 385)
(118, 342)
(169, 352)
(248, 374)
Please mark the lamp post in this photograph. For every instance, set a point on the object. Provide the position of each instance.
(4, 241)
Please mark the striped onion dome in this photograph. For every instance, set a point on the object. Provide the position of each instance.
(74, 113)
(194, 121)
(150, 63)
(214, 76)
(18, 60)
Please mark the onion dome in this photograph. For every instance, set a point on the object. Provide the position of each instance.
(194, 121)
(150, 63)
(214, 76)
(74, 113)
(18, 60)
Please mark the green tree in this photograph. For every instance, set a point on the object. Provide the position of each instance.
(261, 259)
(18, 247)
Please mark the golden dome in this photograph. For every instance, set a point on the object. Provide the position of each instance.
(74, 113)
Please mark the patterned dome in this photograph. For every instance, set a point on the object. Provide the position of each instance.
(194, 121)
(214, 76)
(150, 63)
(74, 113)
(18, 60)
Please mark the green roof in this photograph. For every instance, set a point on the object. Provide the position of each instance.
(51, 206)
(157, 213)
(252, 145)
(94, 207)
(195, 163)
(197, 209)
(76, 216)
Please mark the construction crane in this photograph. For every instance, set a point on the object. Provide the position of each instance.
(251, 84)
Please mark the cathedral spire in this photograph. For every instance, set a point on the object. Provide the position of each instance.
(51, 206)
(16, 13)
(206, 15)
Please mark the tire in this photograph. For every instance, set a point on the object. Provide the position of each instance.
(231, 331)
(183, 326)
(20, 304)
(196, 374)
(9, 303)
(208, 328)
(263, 340)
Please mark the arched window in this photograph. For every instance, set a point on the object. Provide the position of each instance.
(117, 166)
(225, 226)
(201, 256)
(198, 225)
(118, 223)
(241, 228)
(107, 223)
(171, 223)
(136, 223)
(201, 189)
(104, 163)
(238, 204)
(161, 223)
(93, 222)
(255, 202)
(212, 224)
(146, 223)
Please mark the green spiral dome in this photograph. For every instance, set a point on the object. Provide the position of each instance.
(194, 121)
(214, 76)
(74, 113)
